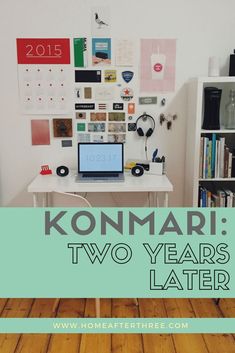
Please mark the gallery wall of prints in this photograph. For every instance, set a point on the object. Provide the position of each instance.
(87, 89)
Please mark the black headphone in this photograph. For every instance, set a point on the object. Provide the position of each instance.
(150, 131)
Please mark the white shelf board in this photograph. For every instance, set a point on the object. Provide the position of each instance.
(219, 79)
(222, 131)
(217, 179)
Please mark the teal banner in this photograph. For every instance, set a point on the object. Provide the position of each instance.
(117, 252)
(117, 325)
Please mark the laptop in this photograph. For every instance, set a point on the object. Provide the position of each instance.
(100, 162)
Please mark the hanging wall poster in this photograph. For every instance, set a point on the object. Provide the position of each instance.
(100, 21)
(157, 70)
(101, 51)
(124, 52)
(43, 72)
(80, 52)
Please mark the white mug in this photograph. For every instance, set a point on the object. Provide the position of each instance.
(213, 66)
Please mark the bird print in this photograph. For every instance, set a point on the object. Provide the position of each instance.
(99, 21)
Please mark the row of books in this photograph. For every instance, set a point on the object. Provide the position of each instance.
(219, 198)
(215, 158)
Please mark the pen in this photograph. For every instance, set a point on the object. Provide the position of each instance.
(154, 156)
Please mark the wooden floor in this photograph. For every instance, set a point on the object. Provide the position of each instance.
(117, 343)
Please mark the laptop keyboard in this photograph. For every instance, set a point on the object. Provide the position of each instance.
(100, 175)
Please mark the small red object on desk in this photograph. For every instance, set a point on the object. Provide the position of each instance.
(45, 170)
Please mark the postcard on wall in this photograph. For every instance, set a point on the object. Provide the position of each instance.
(62, 127)
(116, 127)
(98, 116)
(101, 51)
(81, 137)
(80, 52)
(124, 52)
(40, 132)
(110, 76)
(96, 127)
(104, 93)
(116, 116)
(98, 138)
(117, 138)
(100, 21)
(157, 68)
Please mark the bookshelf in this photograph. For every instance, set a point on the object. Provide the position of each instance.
(195, 134)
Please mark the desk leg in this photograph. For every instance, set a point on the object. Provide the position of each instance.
(45, 199)
(154, 201)
(35, 199)
(166, 199)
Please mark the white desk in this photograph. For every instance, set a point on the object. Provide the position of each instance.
(154, 184)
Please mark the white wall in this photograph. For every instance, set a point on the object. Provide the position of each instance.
(202, 28)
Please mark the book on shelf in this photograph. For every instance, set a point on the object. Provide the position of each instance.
(216, 198)
(215, 158)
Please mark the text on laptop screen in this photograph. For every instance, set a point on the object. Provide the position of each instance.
(100, 157)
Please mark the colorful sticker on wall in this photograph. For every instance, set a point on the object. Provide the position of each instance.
(78, 93)
(101, 51)
(116, 116)
(40, 132)
(131, 108)
(66, 143)
(110, 76)
(100, 21)
(157, 70)
(131, 126)
(80, 52)
(117, 127)
(84, 106)
(81, 115)
(87, 92)
(96, 127)
(98, 116)
(127, 94)
(127, 76)
(124, 52)
(118, 106)
(62, 127)
(117, 138)
(81, 127)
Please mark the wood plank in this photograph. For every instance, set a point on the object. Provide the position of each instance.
(227, 306)
(96, 343)
(178, 308)
(13, 308)
(155, 343)
(205, 307)
(216, 343)
(63, 343)
(131, 343)
(3, 302)
(36, 343)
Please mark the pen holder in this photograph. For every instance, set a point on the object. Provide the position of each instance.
(155, 168)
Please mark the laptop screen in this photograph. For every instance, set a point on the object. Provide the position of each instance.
(100, 157)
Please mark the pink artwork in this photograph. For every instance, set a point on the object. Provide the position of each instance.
(157, 65)
(40, 132)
